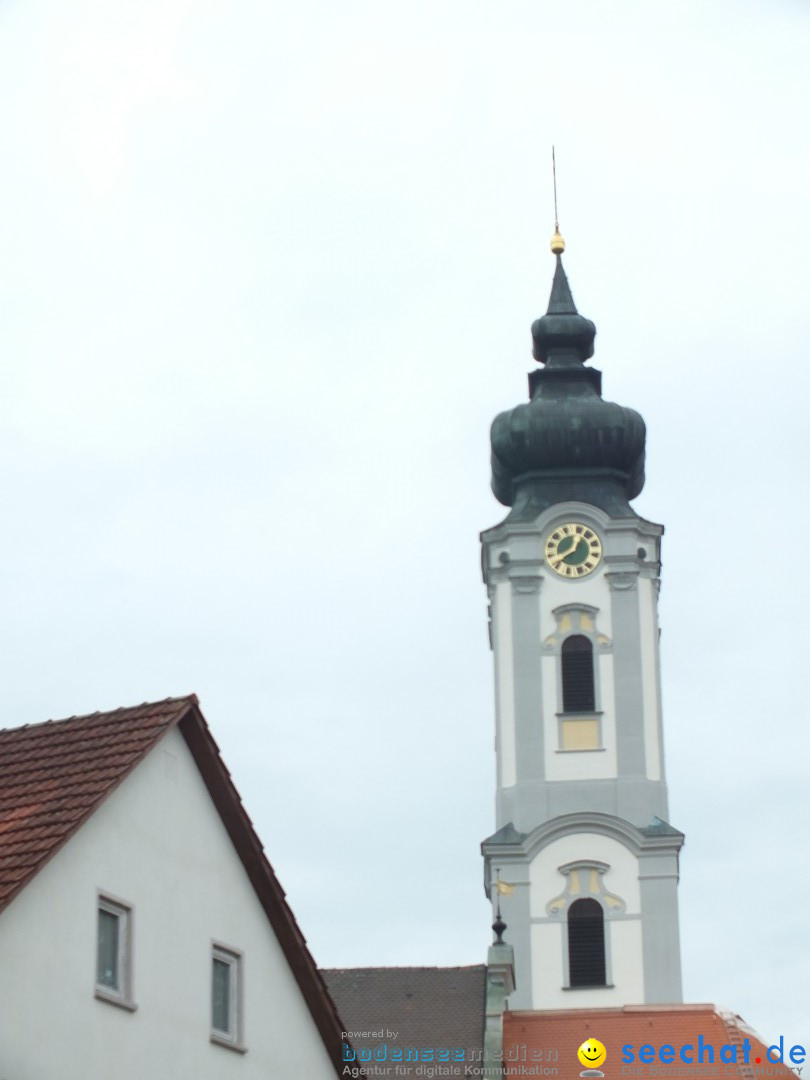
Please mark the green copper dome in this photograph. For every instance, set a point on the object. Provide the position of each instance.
(567, 443)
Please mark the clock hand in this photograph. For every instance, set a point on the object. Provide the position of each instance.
(574, 548)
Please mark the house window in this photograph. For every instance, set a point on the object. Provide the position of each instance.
(114, 952)
(586, 943)
(577, 675)
(226, 997)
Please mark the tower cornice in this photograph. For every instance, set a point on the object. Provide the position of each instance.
(657, 836)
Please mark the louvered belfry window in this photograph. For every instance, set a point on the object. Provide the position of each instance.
(586, 944)
(577, 675)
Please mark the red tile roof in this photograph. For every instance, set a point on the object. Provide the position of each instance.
(528, 1037)
(53, 776)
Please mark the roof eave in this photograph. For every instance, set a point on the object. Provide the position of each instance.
(262, 877)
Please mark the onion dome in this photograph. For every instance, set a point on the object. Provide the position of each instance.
(567, 443)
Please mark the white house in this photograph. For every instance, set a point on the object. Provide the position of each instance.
(143, 933)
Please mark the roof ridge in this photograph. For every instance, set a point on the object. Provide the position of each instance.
(184, 699)
(411, 967)
(678, 1007)
(732, 1019)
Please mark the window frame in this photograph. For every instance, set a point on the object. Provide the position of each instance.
(570, 981)
(574, 669)
(233, 1038)
(579, 731)
(122, 993)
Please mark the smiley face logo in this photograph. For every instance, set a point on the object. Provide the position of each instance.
(592, 1054)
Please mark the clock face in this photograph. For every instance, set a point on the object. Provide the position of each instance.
(573, 550)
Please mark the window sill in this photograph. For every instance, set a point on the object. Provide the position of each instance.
(582, 750)
(102, 994)
(228, 1044)
(596, 986)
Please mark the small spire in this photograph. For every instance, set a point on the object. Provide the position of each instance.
(557, 242)
(498, 926)
(562, 337)
(561, 302)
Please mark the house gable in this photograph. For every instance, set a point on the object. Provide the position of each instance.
(170, 837)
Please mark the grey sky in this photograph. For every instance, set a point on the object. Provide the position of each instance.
(267, 272)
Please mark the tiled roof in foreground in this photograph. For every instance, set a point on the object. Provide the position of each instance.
(552, 1038)
(54, 775)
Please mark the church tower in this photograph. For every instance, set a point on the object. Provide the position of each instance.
(582, 846)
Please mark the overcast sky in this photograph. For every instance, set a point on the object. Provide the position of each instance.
(267, 272)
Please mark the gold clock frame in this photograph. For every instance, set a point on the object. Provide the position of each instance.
(576, 533)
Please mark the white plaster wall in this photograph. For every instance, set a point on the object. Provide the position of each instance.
(159, 844)
(626, 961)
(548, 942)
(648, 607)
(504, 683)
(593, 590)
(547, 882)
(607, 688)
(547, 967)
(622, 935)
(549, 706)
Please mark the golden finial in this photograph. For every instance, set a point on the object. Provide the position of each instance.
(557, 242)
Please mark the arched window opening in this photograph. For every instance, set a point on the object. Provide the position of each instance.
(577, 675)
(586, 944)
